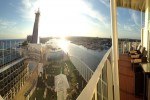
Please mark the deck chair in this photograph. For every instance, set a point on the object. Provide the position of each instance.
(138, 54)
(141, 59)
(137, 49)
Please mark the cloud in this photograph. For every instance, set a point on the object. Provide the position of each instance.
(103, 19)
(27, 9)
(128, 31)
(12, 5)
(105, 2)
(13, 35)
(65, 15)
(6, 24)
(127, 28)
(9, 29)
(135, 17)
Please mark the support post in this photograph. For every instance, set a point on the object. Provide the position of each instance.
(95, 93)
(114, 34)
(147, 18)
(123, 47)
(141, 30)
(146, 29)
(142, 33)
(129, 46)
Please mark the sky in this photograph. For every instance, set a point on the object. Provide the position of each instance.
(66, 18)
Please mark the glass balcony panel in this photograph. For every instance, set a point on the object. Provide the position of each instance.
(99, 90)
(104, 73)
(105, 90)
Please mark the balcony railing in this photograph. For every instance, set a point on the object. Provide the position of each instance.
(83, 68)
(125, 46)
(100, 86)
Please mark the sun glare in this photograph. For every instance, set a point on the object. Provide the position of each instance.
(63, 44)
(63, 18)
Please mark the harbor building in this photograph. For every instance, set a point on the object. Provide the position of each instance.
(13, 73)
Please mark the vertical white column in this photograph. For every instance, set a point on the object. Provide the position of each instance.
(123, 47)
(142, 33)
(147, 18)
(109, 80)
(148, 48)
(141, 30)
(96, 93)
(129, 46)
(141, 19)
(114, 48)
(146, 36)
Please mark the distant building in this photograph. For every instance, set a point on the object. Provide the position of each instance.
(35, 28)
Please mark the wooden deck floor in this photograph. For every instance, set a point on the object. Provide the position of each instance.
(126, 79)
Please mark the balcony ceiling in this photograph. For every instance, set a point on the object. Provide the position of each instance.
(138, 5)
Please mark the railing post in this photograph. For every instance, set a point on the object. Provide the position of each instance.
(123, 47)
(129, 46)
(96, 92)
(114, 48)
(109, 81)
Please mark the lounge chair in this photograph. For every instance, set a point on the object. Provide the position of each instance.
(140, 59)
(135, 51)
(138, 54)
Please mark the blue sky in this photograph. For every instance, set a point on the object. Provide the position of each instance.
(66, 17)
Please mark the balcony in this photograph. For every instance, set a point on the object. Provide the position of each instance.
(100, 86)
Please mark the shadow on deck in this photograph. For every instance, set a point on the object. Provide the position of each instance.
(126, 79)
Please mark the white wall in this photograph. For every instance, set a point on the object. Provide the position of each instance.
(147, 18)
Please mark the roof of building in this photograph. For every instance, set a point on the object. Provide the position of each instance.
(138, 5)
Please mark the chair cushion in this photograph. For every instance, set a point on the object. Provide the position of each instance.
(135, 56)
(133, 51)
(136, 60)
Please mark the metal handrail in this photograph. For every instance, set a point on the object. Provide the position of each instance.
(91, 87)
(82, 62)
(125, 46)
(85, 67)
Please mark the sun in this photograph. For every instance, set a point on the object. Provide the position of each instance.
(63, 18)
(63, 44)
